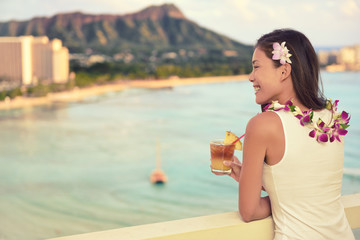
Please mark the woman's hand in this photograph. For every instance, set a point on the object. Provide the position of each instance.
(235, 168)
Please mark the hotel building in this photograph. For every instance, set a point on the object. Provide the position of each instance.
(28, 60)
(344, 59)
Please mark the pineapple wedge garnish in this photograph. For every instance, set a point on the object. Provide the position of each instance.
(230, 137)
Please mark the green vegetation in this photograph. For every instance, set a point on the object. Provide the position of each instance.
(153, 65)
(106, 72)
(10, 93)
(39, 90)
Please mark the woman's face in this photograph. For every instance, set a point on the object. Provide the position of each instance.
(265, 77)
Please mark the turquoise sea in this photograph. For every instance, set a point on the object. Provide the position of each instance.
(84, 166)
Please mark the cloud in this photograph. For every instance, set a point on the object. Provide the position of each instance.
(244, 9)
(309, 7)
(351, 8)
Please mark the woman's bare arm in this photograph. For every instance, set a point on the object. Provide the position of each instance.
(260, 134)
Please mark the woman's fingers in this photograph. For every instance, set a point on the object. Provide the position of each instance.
(227, 163)
(232, 164)
(236, 160)
(236, 168)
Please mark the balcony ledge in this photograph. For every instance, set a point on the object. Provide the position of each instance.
(219, 226)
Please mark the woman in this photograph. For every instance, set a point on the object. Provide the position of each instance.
(294, 149)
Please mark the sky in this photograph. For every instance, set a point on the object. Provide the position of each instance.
(327, 23)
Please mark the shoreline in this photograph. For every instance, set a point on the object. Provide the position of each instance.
(78, 94)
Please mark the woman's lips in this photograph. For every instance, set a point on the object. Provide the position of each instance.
(256, 88)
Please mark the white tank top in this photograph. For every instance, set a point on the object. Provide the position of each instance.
(305, 186)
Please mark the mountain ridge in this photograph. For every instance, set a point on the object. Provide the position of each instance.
(155, 27)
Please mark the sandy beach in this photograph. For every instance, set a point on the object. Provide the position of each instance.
(77, 94)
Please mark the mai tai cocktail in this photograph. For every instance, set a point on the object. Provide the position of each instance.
(223, 150)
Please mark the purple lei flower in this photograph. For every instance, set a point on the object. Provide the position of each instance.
(305, 118)
(321, 131)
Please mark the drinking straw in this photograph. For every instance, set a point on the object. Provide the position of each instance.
(238, 139)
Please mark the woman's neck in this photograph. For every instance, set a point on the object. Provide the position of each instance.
(288, 93)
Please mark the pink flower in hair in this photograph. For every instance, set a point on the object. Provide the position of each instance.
(281, 53)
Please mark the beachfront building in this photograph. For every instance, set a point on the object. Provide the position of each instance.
(28, 60)
(346, 58)
(350, 57)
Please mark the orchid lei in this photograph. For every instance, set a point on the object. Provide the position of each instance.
(281, 52)
(320, 131)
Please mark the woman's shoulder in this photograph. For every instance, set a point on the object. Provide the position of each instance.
(268, 117)
(264, 123)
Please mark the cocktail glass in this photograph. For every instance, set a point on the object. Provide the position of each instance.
(221, 152)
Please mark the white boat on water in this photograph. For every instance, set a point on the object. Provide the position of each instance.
(158, 176)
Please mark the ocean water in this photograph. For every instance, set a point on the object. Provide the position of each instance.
(84, 166)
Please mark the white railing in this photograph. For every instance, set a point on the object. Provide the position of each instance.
(213, 227)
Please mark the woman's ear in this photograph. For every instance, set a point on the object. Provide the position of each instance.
(285, 71)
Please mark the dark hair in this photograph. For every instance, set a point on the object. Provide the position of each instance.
(305, 70)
